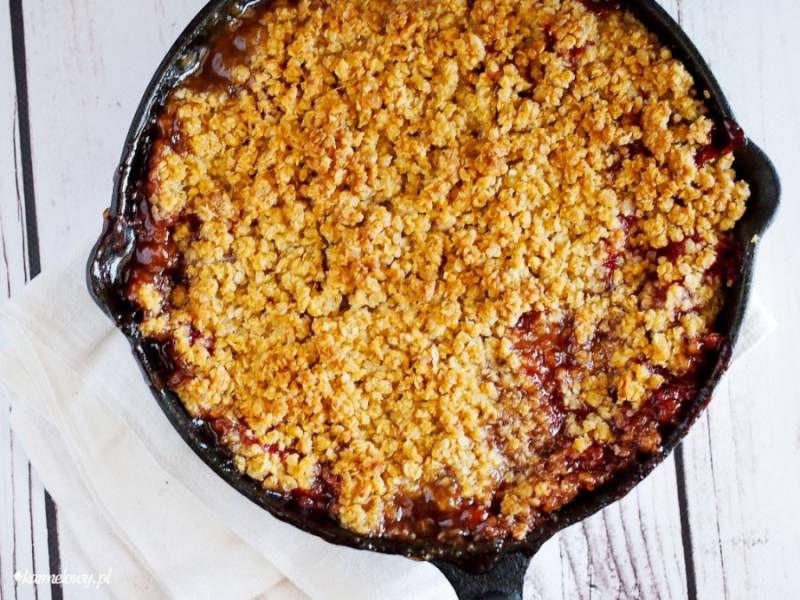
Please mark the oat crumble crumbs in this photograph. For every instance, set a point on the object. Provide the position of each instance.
(436, 267)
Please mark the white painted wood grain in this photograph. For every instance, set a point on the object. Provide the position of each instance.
(88, 63)
(632, 549)
(12, 256)
(23, 528)
(742, 459)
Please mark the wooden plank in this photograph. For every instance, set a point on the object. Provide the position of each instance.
(23, 519)
(742, 500)
(13, 271)
(106, 53)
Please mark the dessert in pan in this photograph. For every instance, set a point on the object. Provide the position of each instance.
(437, 269)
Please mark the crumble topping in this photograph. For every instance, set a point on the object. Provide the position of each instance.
(437, 267)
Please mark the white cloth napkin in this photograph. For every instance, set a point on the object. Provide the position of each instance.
(140, 502)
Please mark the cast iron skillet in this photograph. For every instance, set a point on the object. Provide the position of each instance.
(476, 571)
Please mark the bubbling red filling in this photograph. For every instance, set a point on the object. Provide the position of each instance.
(725, 138)
(601, 7)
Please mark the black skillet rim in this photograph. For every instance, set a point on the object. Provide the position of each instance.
(109, 258)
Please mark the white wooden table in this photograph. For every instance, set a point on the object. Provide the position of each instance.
(717, 520)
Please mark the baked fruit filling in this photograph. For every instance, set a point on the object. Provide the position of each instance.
(436, 268)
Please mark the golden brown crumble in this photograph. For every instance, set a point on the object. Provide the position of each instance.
(440, 265)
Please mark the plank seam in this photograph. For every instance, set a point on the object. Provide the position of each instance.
(716, 504)
(33, 538)
(20, 208)
(23, 119)
(686, 529)
(53, 545)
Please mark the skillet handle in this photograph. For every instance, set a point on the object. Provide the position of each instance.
(503, 582)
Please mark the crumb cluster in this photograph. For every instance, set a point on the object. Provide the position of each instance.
(437, 267)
